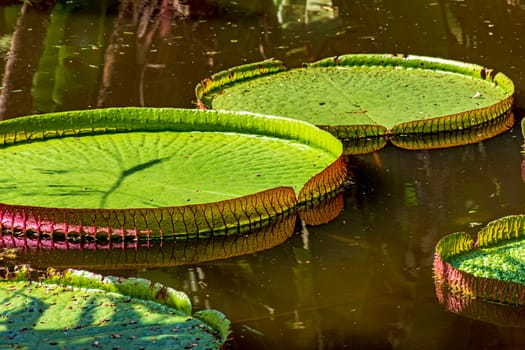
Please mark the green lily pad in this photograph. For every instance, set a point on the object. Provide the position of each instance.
(159, 172)
(489, 266)
(367, 96)
(79, 309)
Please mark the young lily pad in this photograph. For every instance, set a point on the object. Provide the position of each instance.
(368, 96)
(489, 266)
(79, 309)
(159, 172)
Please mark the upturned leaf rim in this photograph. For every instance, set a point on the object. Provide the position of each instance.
(455, 280)
(400, 134)
(125, 290)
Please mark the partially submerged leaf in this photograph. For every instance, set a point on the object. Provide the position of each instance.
(368, 96)
(85, 310)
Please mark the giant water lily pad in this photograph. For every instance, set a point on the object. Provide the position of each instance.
(79, 309)
(489, 266)
(159, 172)
(371, 97)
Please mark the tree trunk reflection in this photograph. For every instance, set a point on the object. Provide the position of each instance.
(27, 46)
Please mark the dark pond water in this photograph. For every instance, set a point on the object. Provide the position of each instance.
(362, 281)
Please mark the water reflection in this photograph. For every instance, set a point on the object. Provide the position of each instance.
(26, 47)
(363, 280)
(153, 53)
(488, 322)
(41, 252)
(504, 315)
(141, 26)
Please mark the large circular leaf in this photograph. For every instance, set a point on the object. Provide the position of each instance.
(488, 266)
(164, 171)
(79, 309)
(367, 96)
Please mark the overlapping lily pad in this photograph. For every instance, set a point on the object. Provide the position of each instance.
(370, 99)
(79, 309)
(489, 266)
(159, 172)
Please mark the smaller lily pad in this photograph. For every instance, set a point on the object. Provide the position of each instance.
(369, 96)
(79, 309)
(488, 266)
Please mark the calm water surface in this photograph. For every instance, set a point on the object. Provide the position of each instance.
(362, 281)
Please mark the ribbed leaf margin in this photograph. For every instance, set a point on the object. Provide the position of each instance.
(156, 253)
(501, 230)
(126, 119)
(323, 213)
(228, 76)
(502, 315)
(148, 254)
(458, 137)
(189, 221)
(454, 244)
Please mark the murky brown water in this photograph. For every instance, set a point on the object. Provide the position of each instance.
(363, 281)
